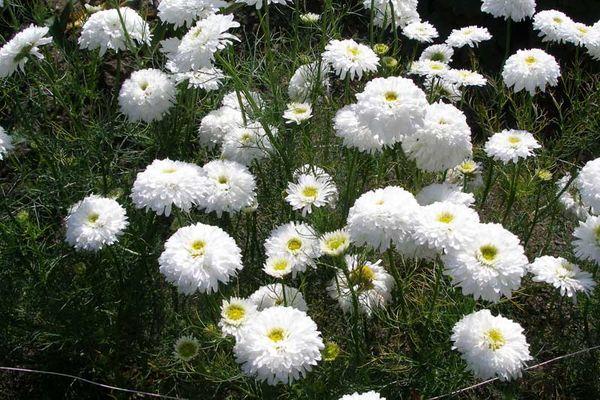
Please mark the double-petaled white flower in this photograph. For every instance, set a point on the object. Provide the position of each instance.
(531, 70)
(563, 275)
(348, 58)
(15, 53)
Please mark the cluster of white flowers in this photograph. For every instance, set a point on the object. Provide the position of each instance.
(296, 240)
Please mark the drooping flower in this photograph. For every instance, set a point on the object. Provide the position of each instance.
(438, 52)
(563, 275)
(296, 240)
(279, 345)
(588, 183)
(246, 143)
(6, 143)
(147, 95)
(422, 32)
(511, 145)
(468, 36)
(492, 346)
(26, 43)
(531, 70)
(95, 222)
(186, 348)
(278, 294)
(571, 198)
(450, 192)
(297, 112)
(347, 57)
(185, 12)
(586, 244)
(199, 257)
(517, 10)
(235, 315)
(311, 189)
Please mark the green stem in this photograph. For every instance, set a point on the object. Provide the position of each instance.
(513, 191)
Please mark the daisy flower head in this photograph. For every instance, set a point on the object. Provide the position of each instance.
(6, 143)
(235, 315)
(370, 395)
(95, 222)
(279, 266)
(296, 240)
(593, 47)
(530, 70)
(553, 26)
(466, 174)
(563, 275)
(511, 145)
(583, 35)
(230, 187)
(468, 36)
(354, 130)
(369, 281)
(199, 257)
(114, 29)
(297, 113)
(380, 216)
(450, 192)
(198, 46)
(306, 78)
(186, 348)
(205, 78)
(444, 226)
(278, 294)
(443, 141)
(492, 346)
(571, 198)
(216, 124)
(335, 243)
(310, 18)
(166, 183)
(279, 345)
(404, 12)
(586, 243)
(429, 68)
(465, 77)
(147, 95)
(489, 265)
(588, 183)
(393, 107)
(438, 52)
(246, 143)
(422, 32)
(517, 10)
(311, 190)
(346, 57)
(185, 12)
(259, 3)
(26, 43)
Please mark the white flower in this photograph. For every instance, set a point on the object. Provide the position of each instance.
(420, 31)
(491, 346)
(6, 143)
(310, 18)
(205, 78)
(443, 142)
(273, 295)
(468, 36)
(380, 216)
(355, 131)
(296, 240)
(279, 345)
(335, 243)
(311, 189)
(95, 222)
(465, 77)
(467, 174)
(186, 348)
(444, 192)
(185, 12)
(371, 395)
(583, 35)
(114, 29)
(259, 3)
(198, 46)
(165, 183)
(593, 47)
(147, 95)
(240, 102)
(586, 244)
(235, 315)
(230, 187)
(347, 57)
(563, 275)
(554, 26)
(405, 12)
(429, 68)
(511, 145)
(245, 144)
(444, 226)
(369, 281)
(393, 107)
(297, 112)
(571, 198)
(588, 183)
(279, 266)
(438, 52)
(306, 78)
(15, 53)
(199, 257)
(488, 265)
(530, 70)
(443, 88)
(517, 10)
(215, 125)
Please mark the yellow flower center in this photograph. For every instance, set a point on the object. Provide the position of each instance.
(583, 30)
(353, 51)
(299, 110)
(530, 60)
(280, 265)
(391, 96)
(445, 217)
(558, 20)
(437, 67)
(222, 179)
(309, 191)
(514, 140)
(467, 167)
(276, 334)
(169, 170)
(144, 85)
(93, 217)
(246, 137)
(379, 202)
(488, 253)
(336, 242)
(235, 312)
(362, 277)
(197, 248)
(495, 339)
(294, 244)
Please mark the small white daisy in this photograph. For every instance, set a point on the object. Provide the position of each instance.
(531, 70)
(563, 275)
(279, 266)
(588, 183)
(229, 187)
(335, 243)
(235, 314)
(311, 190)
(465, 77)
(297, 113)
(553, 26)
(296, 240)
(438, 52)
(468, 36)
(586, 244)
(348, 58)
(278, 294)
(511, 145)
(422, 32)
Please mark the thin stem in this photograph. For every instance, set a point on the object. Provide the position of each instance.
(513, 191)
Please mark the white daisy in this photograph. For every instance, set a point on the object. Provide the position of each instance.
(583, 35)
(468, 36)
(586, 244)
(296, 240)
(443, 88)
(347, 57)
(306, 78)
(571, 198)
(465, 77)
(530, 70)
(450, 192)
(588, 183)
(517, 10)
(259, 3)
(215, 125)
(297, 113)
(278, 294)
(279, 266)
(6, 143)
(438, 52)
(563, 275)
(466, 174)
(429, 68)
(335, 243)
(246, 143)
(553, 26)
(422, 32)
(235, 315)
(26, 43)
(593, 47)
(354, 130)
(404, 12)
(147, 95)
(311, 189)
(511, 145)
(205, 78)
(185, 12)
